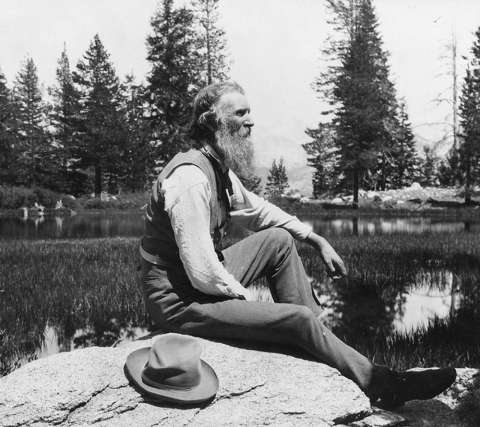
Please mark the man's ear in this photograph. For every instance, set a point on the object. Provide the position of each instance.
(209, 120)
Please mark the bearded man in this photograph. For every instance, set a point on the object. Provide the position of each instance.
(193, 287)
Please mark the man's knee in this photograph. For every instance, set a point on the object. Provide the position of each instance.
(302, 324)
(194, 316)
(304, 314)
(280, 238)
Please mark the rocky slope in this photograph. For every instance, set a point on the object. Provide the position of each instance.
(257, 387)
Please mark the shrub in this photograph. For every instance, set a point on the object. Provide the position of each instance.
(123, 201)
(17, 197)
(96, 203)
(71, 202)
(45, 197)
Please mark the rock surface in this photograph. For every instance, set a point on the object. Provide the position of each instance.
(88, 386)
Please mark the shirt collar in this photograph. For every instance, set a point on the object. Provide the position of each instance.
(211, 151)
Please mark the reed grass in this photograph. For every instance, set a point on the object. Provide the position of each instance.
(88, 284)
(87, 290)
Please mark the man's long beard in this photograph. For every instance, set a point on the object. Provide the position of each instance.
(236, 149)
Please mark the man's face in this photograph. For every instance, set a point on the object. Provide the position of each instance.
(233, 108)
(233, 135)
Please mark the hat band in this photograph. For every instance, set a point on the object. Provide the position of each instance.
(164, 386)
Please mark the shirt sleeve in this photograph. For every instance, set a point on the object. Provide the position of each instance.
(256, 213)
(187, 201)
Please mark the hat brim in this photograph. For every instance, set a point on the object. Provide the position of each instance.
(205, 390)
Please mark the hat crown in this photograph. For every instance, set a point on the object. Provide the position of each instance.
(173, 362)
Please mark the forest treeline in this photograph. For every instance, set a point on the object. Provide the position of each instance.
(94, 132)
(365, 139)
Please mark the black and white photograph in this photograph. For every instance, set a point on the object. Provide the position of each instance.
(240, 213)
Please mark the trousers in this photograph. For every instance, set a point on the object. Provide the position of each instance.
(174, 305)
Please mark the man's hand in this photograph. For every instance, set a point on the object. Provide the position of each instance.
(246, 295)
(237, 290)
(335, 266)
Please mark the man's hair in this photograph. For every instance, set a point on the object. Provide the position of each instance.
(204, 119)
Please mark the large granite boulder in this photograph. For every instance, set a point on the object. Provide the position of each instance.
(257, 387)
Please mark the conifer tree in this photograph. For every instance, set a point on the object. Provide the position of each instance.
(360, 92)
(173, 80)
(405, 158)
(8, 155)
(449, 169)
(469, 151)
(211, 42)
(277, 180)
(428, 168)
(137, 158)
(101, 136)
(30, 122)
(322, 157)
(64, 118)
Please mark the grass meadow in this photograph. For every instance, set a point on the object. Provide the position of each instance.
(87, 291)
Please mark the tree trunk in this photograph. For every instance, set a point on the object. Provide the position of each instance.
(468, 178)
(209, 59)
(384, 178)
(98, 181)
(355, 226)
(355, 188)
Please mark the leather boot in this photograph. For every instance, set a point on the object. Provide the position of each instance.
(389, 389)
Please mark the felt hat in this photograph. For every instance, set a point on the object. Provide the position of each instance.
(171, 370)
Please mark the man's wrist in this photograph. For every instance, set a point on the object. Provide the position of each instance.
(316, 240)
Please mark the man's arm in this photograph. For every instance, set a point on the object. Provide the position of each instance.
(187, 195)
(256, 213)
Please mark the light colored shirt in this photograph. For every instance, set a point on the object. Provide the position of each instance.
(187, 195)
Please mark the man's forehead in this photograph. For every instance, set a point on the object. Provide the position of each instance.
(233, 101)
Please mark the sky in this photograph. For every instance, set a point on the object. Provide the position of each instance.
(275, 51)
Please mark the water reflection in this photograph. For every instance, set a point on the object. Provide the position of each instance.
(55, 342)
(103, 224)
(378, 225)
(130, 223)
(434, 295)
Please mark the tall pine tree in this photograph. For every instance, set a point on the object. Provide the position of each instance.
(30, 127)
(211, 42)
(64, 119)
(449, 169)
(277, 180)
(469, 150)
(101, 136)
(322, 156)
(173, 80)
(405, 157)
(8, 155)
(137, 156)
(428, 167)
(360, 93)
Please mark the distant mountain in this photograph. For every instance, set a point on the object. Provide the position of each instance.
(271, 146)
(299, 178)
(441, 146)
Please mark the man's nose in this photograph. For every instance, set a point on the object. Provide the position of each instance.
(248, 122)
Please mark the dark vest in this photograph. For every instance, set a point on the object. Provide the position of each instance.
(158, 244)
